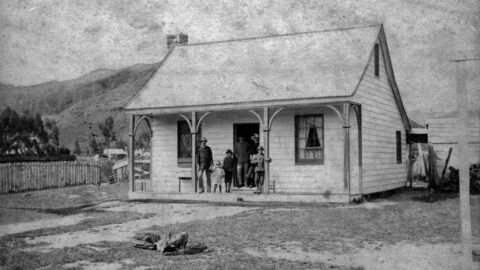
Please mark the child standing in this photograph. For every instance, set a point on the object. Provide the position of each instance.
(229, 169)
(218, 174)
(260, 159)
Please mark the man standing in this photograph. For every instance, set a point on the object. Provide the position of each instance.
(204, 162)
(253, 151)
(241, 152)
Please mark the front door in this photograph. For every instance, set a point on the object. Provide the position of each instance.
(245, 130)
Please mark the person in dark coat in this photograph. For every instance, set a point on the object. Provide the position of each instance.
(229, 168)
(241, 152)
(204, 163)
(252, 152)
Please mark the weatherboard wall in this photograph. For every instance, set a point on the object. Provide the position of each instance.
(380, 121)
(290, 178)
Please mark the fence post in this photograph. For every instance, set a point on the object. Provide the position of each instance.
(10, 174)
(98, 171)
(2, 180)
(11, 177)
(49, 175)
(14, 173)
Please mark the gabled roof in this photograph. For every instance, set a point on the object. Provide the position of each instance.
(294, 66)
(320, 65)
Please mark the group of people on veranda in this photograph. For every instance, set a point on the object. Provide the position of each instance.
(246, 165)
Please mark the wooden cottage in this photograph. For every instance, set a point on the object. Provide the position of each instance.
(325, 103)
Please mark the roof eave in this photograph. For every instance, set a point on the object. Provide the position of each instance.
(242, 105)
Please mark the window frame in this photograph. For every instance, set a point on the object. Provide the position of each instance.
(181, 161)
(377, 60)
(398, 135)
(299, 161)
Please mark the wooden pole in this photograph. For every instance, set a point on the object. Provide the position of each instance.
(131, 154)
(10, 174)
(446, 163)
(266, 146)
(431, 167)
(2, 179)
(49, 174)
(75, 174)
(462, 129)
(360, 148)
(193, 131)
(346, 148)
(9, 177)
(410, 165)
(24, 179)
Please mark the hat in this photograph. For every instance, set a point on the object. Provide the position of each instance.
(260, 147)
(229, 151)
(218, 162)
(255, 136)
(203, 139)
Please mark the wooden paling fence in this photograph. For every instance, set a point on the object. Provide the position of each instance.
(142, 181)
(15, 177)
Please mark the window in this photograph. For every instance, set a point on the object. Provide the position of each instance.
(399, 146)
(309, 148)
(184, 142)
(377, 61)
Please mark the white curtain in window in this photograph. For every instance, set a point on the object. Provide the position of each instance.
(310, 137)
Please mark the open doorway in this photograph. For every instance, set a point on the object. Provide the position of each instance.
(246, 131)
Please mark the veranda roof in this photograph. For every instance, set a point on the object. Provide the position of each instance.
(295, 66)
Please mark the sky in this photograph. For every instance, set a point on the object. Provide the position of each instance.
(44, 40)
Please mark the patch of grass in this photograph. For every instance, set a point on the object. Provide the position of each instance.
(316, 228)
(65, 197)
(218, 259)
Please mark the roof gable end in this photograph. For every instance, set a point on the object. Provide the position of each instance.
(391, 78)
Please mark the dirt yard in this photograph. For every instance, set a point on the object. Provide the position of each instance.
(91, 227)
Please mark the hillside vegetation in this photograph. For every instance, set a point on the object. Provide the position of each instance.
(79, 105)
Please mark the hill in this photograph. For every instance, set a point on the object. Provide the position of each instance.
(80, 104)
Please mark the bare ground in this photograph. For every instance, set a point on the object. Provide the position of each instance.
(57, 229)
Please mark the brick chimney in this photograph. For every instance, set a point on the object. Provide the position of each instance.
(178, 39)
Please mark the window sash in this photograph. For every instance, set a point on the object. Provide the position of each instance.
(377, 60)
(305, 154)
(184, 142)
(398, 134)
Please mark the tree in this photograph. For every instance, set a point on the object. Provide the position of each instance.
(54, 135)
(48, 123)
(28, 135)
(107, 130)
(38, 123)
(77, 150)
(63, 151)
(94, 145)
(52, 131)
